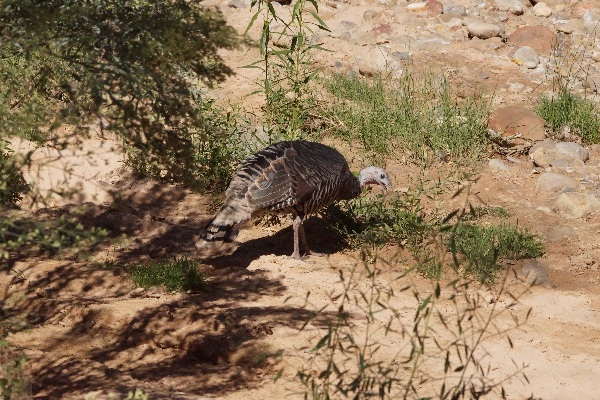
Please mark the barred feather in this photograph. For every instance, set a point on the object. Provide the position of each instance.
(288, 177)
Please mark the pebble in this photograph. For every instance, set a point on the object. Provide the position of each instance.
(577, 205)
(573, 150)
(527, 57)
(498, 164)
(535, 274)
(541, 9)
(483, 30)
(552, 182)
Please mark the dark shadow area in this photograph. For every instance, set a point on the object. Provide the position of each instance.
(201, 343)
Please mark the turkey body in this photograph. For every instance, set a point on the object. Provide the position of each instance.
(295, 177)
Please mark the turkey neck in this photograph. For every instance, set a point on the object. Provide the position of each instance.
(351, 188)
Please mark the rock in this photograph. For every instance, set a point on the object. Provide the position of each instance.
(402, 43)
(370, 15)
(540, 38)
(455, 9)
(541, 9)
(375, 60)
(547, 143)
(417, 7)
(348, 25)
(560, 163)
(513, 6)
(591, 21)
(482, 30)
(434, 7)
(498, 164)
(593, 81)
(544, 157)
(237, 4)
(432, 42)
(409, 20)
(570, 26)
(535, 274)
(382, 30)
(577, 205)
(573, 150)
(527, 57)
(551, 182)
(363, 38)
(510, 120)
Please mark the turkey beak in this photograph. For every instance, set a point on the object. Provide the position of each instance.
(386, 185)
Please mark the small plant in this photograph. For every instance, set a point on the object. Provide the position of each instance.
(179, 274)
(13, 379)
(12, 183)
(286, 48)
(566, 109)
(420, 116)
(482, 248)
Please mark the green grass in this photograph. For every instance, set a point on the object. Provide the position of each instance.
(179, 274)
(568, 109)
(478, 250)
(421, 116)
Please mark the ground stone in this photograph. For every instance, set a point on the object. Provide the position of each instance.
(540, 38)
(512, 6)
(527, 57)
(483, 30)
(552, 182)
(535, 274)
(544, 157)
(573, 150)
(541, 9)
(510, 120)
(575, 204)
(498, 164)
(375, 60)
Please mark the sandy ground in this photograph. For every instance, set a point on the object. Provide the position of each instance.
(90, 330)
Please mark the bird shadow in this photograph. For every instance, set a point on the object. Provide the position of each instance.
(321, 237)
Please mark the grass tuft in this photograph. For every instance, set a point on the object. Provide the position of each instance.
(179, 274)
(478, 250)
(568, 109)
(421, 116)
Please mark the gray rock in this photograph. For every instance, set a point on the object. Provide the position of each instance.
(363, 38)
(593, 81)
(402, 56)
(498, 164)
(591, 22)
(578, 205)
(570, 26)
(527, 57)
(348, 25)
(547, 143)
(433, 42)
(560, 163)
(513, 6)
(483, 30)
(541, 9)
(573, 150)
(450, 8)
(402, 43)
(375, 60)
(551, 182)
(535, 274)
(237, 4)
(544, 157)
(370, 15)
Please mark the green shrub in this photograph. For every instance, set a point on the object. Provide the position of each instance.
(478, 250)
(179, 274)
(12, 184)
(566, 109)
(420, 116)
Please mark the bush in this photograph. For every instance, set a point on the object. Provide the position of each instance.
(179, 274)
(12, 184)
(566, 109)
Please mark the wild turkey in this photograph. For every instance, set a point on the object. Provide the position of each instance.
(296, 177)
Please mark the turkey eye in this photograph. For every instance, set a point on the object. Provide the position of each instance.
(382, 176)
